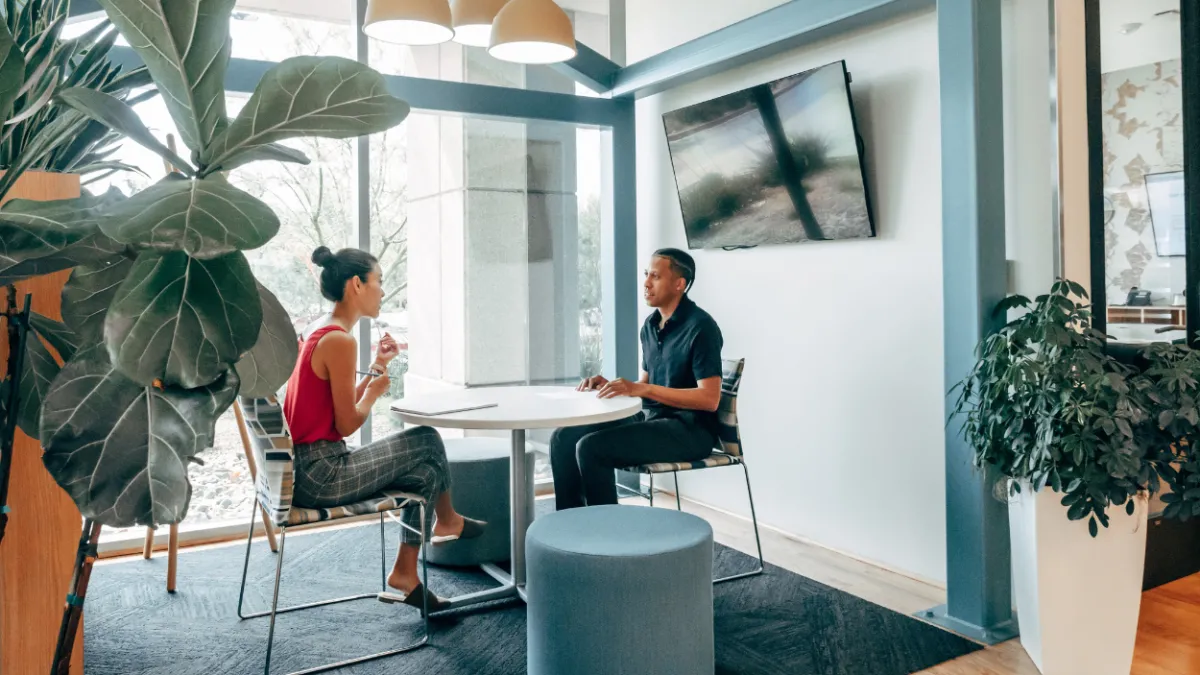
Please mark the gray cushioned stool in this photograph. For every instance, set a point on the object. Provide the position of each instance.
(479, 483)
(620, 589)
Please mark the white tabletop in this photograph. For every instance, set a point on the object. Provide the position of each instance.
(517, 408)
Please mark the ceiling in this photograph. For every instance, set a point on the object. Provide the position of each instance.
(338, 10)
(1157, 39)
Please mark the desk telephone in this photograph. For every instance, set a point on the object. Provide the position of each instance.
(1138, 298)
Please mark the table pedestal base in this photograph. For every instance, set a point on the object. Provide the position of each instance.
(513, 583)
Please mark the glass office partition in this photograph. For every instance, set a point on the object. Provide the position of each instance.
(1145, 243)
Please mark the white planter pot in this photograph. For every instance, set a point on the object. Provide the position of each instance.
(1077, 597)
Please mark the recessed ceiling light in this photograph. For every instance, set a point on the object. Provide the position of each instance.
(1129, 28)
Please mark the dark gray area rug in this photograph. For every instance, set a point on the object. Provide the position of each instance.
(774, 624)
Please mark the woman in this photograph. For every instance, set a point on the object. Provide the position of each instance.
(323, 405)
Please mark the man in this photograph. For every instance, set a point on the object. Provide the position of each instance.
(680, 390)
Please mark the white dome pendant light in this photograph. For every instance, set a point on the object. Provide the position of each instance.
(472, 20)
(409, 22)
(532, 31)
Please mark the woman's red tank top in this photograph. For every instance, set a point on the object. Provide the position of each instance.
(308, 404)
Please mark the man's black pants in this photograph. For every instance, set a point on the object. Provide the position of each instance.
(583, 458)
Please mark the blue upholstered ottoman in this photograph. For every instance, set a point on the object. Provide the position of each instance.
(620, 589)
(479, 484)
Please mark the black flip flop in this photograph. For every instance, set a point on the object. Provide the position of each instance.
(413, 599)
(472, 529)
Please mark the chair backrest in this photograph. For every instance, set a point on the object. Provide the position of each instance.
(729, 435)
(273, 458)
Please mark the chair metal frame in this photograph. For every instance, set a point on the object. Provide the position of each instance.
(276, 610)
(737, 461)
(409, 501)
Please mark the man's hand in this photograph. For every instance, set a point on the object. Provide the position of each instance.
(592, 383)
(621, 387)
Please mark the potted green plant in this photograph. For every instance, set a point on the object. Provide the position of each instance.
(46, 150)
(1172, 383)
(51, 146)
(163, 320)
(1072, 428)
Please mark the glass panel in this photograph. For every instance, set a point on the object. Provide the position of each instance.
(262, 32)
(503, 257)
(1145, 246)
(266, 34)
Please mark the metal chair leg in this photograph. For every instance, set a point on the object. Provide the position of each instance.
(382, 554)
(275, 599)
(246, 564)
(276, 610)
(757, 539)
(678, 503)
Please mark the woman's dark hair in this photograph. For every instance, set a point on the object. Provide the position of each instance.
(338, 268)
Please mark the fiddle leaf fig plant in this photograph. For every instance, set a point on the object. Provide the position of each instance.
(166, 318)
(1048, 406)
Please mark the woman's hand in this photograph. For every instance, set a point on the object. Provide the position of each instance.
(388, 350)
(378, 386)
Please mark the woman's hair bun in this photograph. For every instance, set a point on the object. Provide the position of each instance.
(322, 256)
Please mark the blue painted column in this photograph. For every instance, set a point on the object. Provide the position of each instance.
(618, 252)
(619, 262)
(979, 602)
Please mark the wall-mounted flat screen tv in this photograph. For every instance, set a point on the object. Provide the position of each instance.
(773, 164)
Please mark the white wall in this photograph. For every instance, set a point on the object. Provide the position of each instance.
(1030, 146)
(842, 401)
(1157, 39)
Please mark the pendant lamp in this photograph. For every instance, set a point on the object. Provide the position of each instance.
(473, 19)
(532, 31)
(409, 22)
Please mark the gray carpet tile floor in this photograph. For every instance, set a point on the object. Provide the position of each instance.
(774, 624)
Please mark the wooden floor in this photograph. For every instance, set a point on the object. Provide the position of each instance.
(1168, 633)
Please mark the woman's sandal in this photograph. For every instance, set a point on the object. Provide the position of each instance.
(472, 529)
(413, 599)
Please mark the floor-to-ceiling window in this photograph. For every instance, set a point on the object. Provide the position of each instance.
(488, 230)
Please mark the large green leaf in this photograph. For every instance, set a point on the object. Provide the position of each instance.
(121, 450)
(38, 370)
(266, 367)
(181, 320)
(57, 334)
(185, 45)
(270, 152)
(326, 96)
(12, 70)
(119, 116)
(204, 218)
(88, 294)
(42, 237)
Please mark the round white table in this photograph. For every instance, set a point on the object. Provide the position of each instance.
(516, 409)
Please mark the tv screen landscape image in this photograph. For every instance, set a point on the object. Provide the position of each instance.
(777, 163)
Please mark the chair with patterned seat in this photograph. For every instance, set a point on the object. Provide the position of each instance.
(727, 453)
(262, 420)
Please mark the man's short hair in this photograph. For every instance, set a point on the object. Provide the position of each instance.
(681, 264)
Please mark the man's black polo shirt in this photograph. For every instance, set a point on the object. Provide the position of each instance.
(680, 354)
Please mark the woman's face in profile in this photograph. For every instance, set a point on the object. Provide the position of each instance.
(371, 295)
